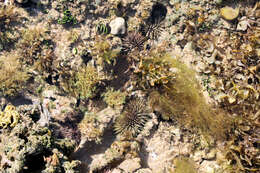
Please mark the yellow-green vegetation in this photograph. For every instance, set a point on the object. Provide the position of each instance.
(44, 64)
(103, 52)
(12, 78)
(181, 99)
(241, 149)
(82, 84)
(154, 70)
(7, 16)
(9, 117)
(184, 165)
(34, 41)
(114, 98)
(89, 128)
(73, 36)
(36, 51)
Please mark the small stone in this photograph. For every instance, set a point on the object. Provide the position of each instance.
(211, 155)
(22, 1)
(117, 171)
(257, 52)
(98, 2)
(211, 60)
(130, 165)
(242, 26)
(218, 2)
(144, 170)
(231, 99)
(229, 13)
(118, 26)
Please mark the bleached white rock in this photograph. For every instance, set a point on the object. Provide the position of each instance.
(118, 26)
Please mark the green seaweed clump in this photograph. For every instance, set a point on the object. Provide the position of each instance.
(153, 70)
(114, 98)
(8, 15)
(36, 50)
(12, 78)
(103, 52)
(9, 117)
(184, 165)
(67, 19)
(82, 84)
(181, 99)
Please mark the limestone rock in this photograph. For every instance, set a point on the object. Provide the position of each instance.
(118, 26)
(130, 165)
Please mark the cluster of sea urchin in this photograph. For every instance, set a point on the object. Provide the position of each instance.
(133, 118)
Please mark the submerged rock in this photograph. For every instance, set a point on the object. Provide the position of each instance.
(22, 1)
(118, 26)
(28, 147)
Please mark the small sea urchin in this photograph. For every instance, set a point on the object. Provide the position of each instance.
(133, 40)
(133, 118)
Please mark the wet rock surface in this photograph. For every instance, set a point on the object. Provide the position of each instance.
(73, 72)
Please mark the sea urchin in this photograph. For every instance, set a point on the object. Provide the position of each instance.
(134, 40)
(133, 118)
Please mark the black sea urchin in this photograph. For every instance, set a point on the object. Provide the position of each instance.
(133, 40)
(133, 118)
(152, 27)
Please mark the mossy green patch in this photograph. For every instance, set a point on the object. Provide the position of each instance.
(184, 165)
(181, 99)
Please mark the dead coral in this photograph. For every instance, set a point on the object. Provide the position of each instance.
(89, 128)
(68, 128)
(117, 153)
(24, 148)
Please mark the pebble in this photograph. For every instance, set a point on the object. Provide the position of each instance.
(118, 26)
(22, 1)
(130, 165)
(242, 26)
